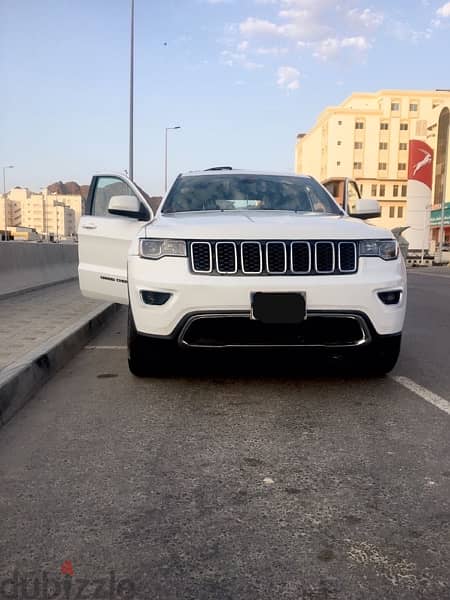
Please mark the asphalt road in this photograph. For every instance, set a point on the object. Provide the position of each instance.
(238, 482)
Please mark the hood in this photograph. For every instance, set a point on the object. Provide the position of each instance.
(261, 225)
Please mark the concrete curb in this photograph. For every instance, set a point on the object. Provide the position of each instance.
(21, 380)
(34, 288)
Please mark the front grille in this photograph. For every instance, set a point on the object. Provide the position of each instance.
(274, 257)
(318, 330)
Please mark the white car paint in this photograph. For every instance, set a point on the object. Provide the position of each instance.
(111, 268)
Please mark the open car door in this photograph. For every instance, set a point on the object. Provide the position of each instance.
(115, 212)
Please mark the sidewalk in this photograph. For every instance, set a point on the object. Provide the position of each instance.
(40, 331)
(30, 319)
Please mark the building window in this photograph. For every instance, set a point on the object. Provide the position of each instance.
(358, 145)
(404, 189)
(384, 126)
(395, 106)
(357, 165)
(402, 166)
(338, 163)
(395, 191)
(339, 122)
(359, 125)
(400, 212)
(339, 142)
(413, 107)
(383, 146)
(403, 146)
(403, 126)
(391, 212)
(373, 189)
(382, 190)
(382, 166)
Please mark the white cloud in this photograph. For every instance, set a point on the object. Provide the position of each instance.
(233, 59)
(327, 49)
(444, 10)
(404, 32)
(271, 51)
(243, 45)
(331, 47)
(288, 78)
(366, 17)
(327, 29)
(253, 26)
(358, 42)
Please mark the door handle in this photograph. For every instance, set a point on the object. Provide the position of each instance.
(89, 226)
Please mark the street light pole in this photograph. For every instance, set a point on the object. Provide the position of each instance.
(165, 155)
(5, 199)
(131, 141)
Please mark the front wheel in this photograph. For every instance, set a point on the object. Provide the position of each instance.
(147, 356)
(381, 355)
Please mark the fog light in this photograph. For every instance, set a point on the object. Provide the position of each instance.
(155, 298)
(390, 297)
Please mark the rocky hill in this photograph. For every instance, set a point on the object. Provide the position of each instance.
(70, 187)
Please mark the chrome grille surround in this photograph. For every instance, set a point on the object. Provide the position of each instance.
(273, 257)
(295, 245)
(195, 248)
(341, 246)
(220, 260)
(321, 247)
(245, 258)
(363, 338)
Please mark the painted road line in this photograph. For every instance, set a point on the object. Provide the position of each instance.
(430, 397)
(429, 274)
(105, 347)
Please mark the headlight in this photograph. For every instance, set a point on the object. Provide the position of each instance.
(385, 249)
(155, 249)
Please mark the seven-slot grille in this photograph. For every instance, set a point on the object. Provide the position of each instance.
(274, 257)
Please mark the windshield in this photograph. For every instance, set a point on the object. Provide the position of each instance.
(248, 192)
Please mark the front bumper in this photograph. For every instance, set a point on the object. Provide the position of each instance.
(205, 294)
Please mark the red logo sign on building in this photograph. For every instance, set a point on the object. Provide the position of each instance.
(420, 167)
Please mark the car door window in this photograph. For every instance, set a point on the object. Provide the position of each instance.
(105, 188)
(353, 194)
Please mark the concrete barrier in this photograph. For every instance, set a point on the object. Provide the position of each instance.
(25, 266)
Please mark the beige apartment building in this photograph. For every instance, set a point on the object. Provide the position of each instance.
(53, 216)
(10, 212)
(367, 138)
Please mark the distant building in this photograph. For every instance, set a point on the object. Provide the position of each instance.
(10, 209)
(367, 138)
(53, 216)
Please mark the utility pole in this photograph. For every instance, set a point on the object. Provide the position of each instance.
(5, 199)
(131, 141)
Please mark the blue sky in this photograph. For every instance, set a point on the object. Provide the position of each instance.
(242, 78)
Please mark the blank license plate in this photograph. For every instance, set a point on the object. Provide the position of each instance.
(279, 307)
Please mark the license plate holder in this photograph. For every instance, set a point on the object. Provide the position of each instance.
(278, 307)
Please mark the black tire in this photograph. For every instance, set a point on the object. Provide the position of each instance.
(381, 356)
(147, 356)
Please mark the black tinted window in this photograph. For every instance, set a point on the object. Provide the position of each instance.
(248, 192)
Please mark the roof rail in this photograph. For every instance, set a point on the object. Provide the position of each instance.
(219, 169)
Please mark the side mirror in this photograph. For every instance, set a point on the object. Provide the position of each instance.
(365, 208)
(127, 206)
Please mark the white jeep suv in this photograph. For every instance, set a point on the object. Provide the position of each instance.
(242, 259)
